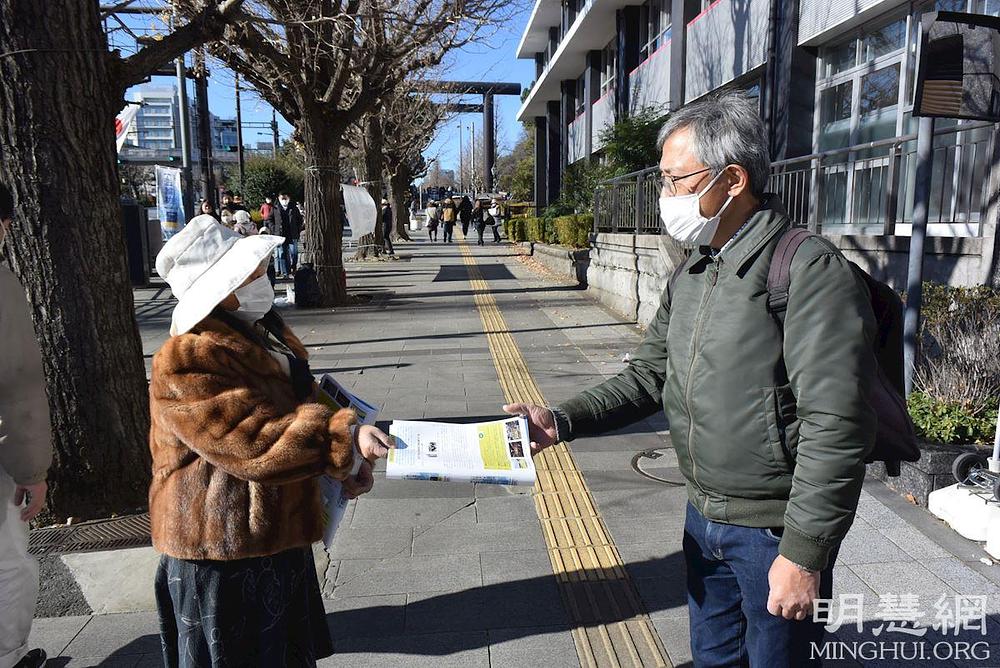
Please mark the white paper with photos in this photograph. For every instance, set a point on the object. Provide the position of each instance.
(335, 395)
(496, 452)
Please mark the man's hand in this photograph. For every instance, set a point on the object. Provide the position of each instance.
(541, 424)
(373, 443)
(793, 590)
(35, 494)
(362, 483)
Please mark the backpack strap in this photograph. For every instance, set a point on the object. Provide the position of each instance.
(780, 272)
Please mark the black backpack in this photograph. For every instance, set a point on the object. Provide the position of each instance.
(895, 438)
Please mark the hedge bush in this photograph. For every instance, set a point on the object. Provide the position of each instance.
(573, 230)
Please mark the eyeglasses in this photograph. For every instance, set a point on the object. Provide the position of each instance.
(667, 184)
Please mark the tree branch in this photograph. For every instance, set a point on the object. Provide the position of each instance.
(208, 24)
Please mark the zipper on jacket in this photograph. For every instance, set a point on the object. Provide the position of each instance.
(713, 276)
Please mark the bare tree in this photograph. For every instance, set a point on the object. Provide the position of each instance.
(60, 88)
(323, 64)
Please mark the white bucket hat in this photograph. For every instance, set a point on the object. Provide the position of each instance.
(204, 263)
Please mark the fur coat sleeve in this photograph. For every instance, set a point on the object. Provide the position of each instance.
(227, 400)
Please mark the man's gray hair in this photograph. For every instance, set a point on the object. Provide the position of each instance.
(726, 130)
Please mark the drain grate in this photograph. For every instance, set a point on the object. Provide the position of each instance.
(112, 534)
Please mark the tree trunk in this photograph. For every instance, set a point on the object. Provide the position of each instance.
(58, 101)
(324, 219)
(398, 193)
(370, 245)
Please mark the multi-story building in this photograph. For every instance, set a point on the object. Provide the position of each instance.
(157, 123)
(835, 82)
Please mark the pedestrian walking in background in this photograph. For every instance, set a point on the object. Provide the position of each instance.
(465, 214)
(243, 224)
(386, 219)
(25, 456)
(479, 220)
(494, 219)
(238, 442)
(208, 209)
(286, 221)
(433, 218)
(771, 424)
(265, 209)
(229, 202)
(227, 218)
(449, 214)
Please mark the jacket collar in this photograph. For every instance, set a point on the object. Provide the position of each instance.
(769, 219)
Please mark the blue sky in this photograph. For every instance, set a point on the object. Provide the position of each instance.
(491, 61)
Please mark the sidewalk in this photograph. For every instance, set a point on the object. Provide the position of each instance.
(454, 574)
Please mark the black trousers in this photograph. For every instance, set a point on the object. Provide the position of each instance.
(449, 231)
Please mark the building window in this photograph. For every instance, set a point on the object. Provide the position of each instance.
(608, 63)
(657, 26)
(580, 95)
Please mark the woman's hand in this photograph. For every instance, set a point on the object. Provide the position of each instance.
(362, 483)
(372, 442)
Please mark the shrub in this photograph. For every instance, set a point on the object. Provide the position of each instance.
(514, 228)
(951, 421)
(267, 176)
(573, 230)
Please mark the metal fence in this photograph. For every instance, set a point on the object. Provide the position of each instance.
(868, 187)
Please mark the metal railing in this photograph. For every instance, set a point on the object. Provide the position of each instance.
(866, 186)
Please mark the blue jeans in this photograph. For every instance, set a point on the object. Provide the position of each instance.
(280, 261)
(292, 254)
(727, 569)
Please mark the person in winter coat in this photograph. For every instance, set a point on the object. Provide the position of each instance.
(433, 218)
(286, 221)
(25, 456)
(243, 224)
(479, 220)
(449, 214)
(494, 219)
(385, 216)
(238, 442)
(265, 209)
(465, 214)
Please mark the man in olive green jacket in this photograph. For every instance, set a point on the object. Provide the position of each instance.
(771, 425)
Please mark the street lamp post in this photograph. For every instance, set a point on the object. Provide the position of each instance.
(239, 133)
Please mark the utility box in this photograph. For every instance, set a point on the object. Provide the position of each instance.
(136, 227)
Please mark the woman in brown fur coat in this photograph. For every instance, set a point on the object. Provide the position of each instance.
(238, 442)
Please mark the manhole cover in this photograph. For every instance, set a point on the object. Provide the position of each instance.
(112, 534)
(659, 464)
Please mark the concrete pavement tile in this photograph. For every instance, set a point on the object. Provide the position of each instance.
(487, 490)
(965, 580)
(420, 489)
(131, 587)
(663, 596)
(53, 634)
(359, 616)
(534, 602)
(864, 545)
(479, 538)
(119, 635)
(439, 650)
(520, 508)
(621, 479)
(675, 634)
(436, 612)
(652, 560)
(519, 566)
(900, 578)
(399, 512)
(371, 542)
(612, 460)
(913, 542)
(552, 647)
(404, 575)
(661, 500)
(666, 530)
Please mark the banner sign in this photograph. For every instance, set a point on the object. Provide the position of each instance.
(169, 201)
(361, 210)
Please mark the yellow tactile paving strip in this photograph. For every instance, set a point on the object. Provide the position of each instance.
(610, 625)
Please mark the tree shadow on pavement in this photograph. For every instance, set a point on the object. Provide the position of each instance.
(439, 624)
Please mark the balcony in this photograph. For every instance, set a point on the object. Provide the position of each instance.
(577, 139)
(724, 42)
(865, 189)
(604, 115)
(649, 83)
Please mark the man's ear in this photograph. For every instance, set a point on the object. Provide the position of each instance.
(738, 180)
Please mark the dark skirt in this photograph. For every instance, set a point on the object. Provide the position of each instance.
(265, 611)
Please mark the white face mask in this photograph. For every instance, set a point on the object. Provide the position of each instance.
(256, 299)
(682, 219)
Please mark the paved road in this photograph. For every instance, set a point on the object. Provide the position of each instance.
(452, 574)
